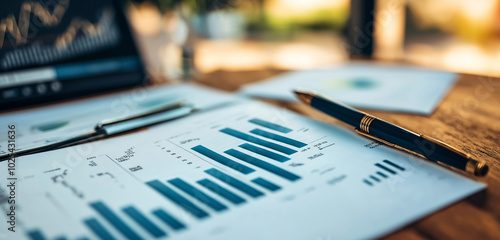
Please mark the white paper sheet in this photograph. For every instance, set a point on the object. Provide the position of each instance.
(333, 183)
(48, 124)
(386, 87)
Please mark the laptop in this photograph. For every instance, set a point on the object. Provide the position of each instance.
(51, 50)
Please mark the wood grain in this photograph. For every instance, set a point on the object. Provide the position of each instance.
(467, 118)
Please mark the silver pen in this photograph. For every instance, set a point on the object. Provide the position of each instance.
(109, 127)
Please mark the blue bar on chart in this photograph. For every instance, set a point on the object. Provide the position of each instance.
(98, 229)
(374, 178)
(367, 182)
(233, 182)
(222, 160)
(266, 184)
(394, 165)
(279, 138)
(145, 223)
(262, 142)
(36, 235)
(270, 125)
(168, 219)
(385, 168)
(178, 199)
(201, 196)
(381, 174)
(112, 218)
(264, 152)
(221, 191)
(263, 164)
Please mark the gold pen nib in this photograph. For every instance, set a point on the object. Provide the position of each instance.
(303, 96)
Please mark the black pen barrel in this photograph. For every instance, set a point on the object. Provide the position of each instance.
(338, 110)
(417, 143)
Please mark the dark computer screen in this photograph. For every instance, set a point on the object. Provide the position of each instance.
(55, 49)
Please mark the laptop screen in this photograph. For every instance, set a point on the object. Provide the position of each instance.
(55, 49)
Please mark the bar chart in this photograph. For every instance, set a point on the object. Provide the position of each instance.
(234, 190)
(197, 196)
(257, 144)
(261, 152)
(386, 169)
(115, 220)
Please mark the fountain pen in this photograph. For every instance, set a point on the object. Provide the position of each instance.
(377, 129)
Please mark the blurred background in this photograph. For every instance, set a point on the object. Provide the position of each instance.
(182, 39)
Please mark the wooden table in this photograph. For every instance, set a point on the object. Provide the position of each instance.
(467, 118)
